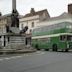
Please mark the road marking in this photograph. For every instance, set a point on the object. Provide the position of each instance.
(27, 55)
(15, 57)
(40, 53)
(24, 55)
(1, 59)
(6, 58)
(18, 56)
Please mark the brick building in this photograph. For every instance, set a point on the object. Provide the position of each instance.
(70, 8)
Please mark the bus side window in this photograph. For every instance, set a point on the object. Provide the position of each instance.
(69, 38)
(62, 38)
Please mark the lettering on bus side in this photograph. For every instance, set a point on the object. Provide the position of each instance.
(44, 39)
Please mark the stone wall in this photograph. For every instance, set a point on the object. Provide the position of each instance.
(15, 42)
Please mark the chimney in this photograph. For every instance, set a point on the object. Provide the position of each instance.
(13, 5)
(32, 11)
(70, 8)
(0, 14)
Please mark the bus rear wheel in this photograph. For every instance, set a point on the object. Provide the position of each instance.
(66, 50)
(46, 49)
(54, 47)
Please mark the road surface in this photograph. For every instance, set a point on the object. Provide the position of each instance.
(40, 61)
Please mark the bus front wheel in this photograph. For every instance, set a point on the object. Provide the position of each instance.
(54, 47)
(66, 50)
(37, 47)
(46, 49)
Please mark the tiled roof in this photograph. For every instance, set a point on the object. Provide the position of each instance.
(8, 15)
(36, 13)
(62, 16)
(5, 16)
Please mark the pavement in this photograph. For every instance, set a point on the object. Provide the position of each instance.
(40, 61)
(11, 51)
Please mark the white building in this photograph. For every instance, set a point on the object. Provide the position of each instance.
(64, 17)
(4, 20)
(31, 19)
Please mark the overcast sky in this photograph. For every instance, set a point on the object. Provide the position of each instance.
(54, 7)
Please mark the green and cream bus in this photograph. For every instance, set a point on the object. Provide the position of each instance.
(55, 37)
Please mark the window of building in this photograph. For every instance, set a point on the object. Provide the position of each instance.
(21, 26)
(30, 30)
(32, 24)
(28, 41)
(8, 39)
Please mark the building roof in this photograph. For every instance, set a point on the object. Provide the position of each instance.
(5, 16)
(66, 15)
(8, 15)
(37, 13)
(62, 16)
